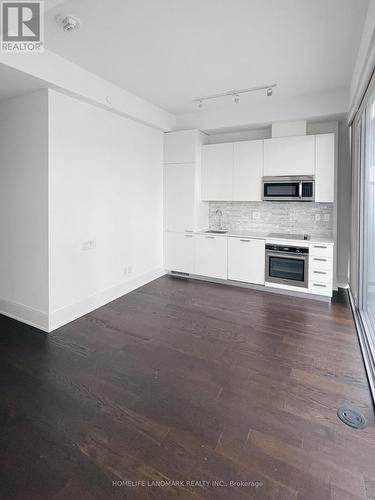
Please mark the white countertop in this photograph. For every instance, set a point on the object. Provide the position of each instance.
(264, 236)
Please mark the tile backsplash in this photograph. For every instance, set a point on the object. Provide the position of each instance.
(268, 216)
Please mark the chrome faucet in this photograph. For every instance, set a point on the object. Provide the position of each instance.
(219, 218)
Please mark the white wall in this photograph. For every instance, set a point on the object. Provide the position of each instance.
(262, 110)
(24, 208)
(55, 71)
(365, 61)
(241, 135)
(344, 190)
(105, 184)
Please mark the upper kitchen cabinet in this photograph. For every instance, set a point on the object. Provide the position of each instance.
(248, 171)
(217, 167)
(325, 168)
(179, 196)
(182, 146)
(289, 156)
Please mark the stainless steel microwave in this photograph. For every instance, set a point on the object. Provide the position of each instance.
(291, 188)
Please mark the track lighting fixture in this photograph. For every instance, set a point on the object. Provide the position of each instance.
(235, 94)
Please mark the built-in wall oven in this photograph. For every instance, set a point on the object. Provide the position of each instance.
(291, 188)
(287, 265)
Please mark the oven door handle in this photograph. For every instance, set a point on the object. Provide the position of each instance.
(299, 256)
(300, 190)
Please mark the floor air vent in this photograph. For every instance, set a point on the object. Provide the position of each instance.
(351, 417)
(178, 273)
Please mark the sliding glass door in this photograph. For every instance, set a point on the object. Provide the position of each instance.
(367, 258)
(362, 273)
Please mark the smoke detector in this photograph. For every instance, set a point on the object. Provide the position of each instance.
(68, 23)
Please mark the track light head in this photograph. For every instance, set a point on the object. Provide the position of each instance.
(236, 98)
(200, 104)
(269, 92)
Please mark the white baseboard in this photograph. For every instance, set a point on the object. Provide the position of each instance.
(67, 314)
(29, 316)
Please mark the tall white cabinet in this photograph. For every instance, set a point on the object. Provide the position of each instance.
(185, 212)
(179, 197)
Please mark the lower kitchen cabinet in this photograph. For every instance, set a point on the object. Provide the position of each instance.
(211, 256)
(321, 269)
(246, 260)
(179, 252)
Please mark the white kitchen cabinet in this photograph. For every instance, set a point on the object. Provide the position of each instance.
(325, 168)
(217, 167)
(246, 260)
(248, 171)
(211, 256)
(289, 156)
(321, 269)
(179, 252)
(181, 146)
(179, 196)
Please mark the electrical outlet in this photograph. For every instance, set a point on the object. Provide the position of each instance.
(89, 245)
(130, 269)
(317, 217)
(125, 271)
(256, 215)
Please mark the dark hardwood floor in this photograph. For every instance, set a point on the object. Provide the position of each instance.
(187, 381)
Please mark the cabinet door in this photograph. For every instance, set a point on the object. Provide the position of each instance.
(290, 155)
(246, 260)
(211, 256)
(217, 166)
(325, 168)
(248, 171)
(180, 146)
(179, 252)
(179, 197)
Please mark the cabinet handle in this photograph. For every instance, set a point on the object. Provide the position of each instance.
(210, 237)
(321, 286)
(245, 241)
(320, 260)
(188, 230)
(188, 235)
(319, 246)
(320, 272)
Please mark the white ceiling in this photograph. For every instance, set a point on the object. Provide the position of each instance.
(170, 51)
(15, 83)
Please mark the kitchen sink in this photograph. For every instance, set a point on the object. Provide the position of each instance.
(217, 231)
